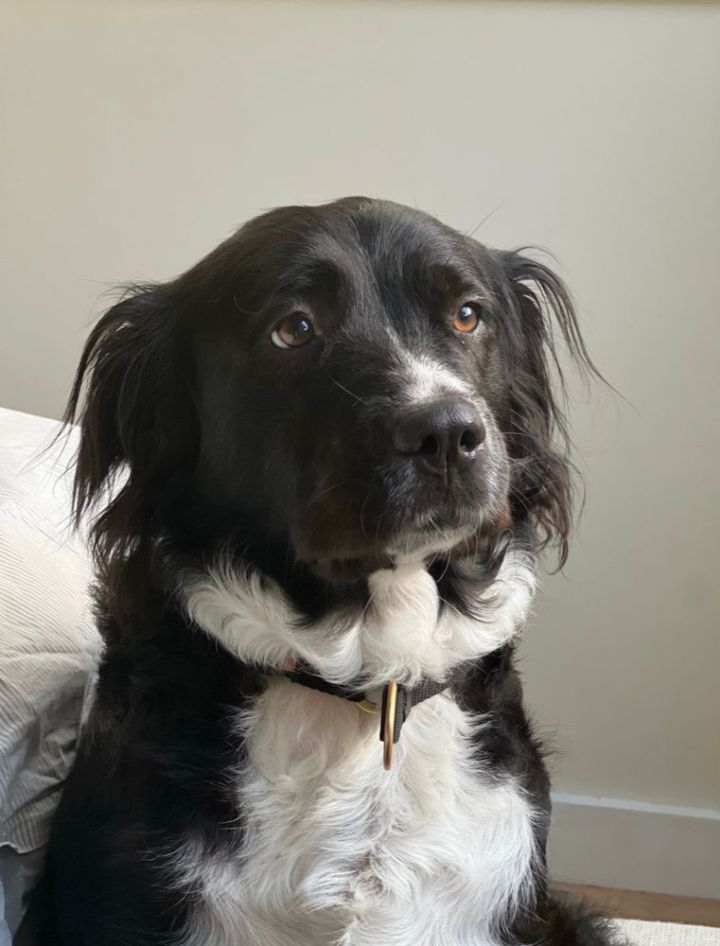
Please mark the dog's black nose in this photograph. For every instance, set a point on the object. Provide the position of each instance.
(442, 436)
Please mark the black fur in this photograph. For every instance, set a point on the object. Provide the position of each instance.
(214, 439)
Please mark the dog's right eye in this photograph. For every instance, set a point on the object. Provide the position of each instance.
(294, 331)
(466, 319)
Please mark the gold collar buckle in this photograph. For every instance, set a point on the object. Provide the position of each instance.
(397, 701)
(388, 734)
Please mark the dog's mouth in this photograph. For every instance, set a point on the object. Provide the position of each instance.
(354, 533)
(350, 565)
(351, 559)
(348, 570)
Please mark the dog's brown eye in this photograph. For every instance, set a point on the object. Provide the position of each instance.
(293, 332)
(467, 319)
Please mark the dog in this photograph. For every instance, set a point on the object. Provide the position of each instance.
(322, 465)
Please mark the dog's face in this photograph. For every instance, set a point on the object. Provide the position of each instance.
(357, 381)
(357, 375)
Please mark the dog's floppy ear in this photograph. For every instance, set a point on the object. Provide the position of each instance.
(537, 305)
(135, 420)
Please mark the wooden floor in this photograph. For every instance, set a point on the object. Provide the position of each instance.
(636, 905)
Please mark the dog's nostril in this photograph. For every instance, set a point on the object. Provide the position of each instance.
(429, 446)
(471, 438)
(441, 436)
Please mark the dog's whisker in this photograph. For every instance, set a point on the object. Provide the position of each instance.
(317, 497)
(342, 387)
(484, 220)
(362, 514)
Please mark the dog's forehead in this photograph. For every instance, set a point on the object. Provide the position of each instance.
(376, 260)
(397, 245)
(390, 269)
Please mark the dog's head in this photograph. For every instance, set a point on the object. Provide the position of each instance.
(354, 383)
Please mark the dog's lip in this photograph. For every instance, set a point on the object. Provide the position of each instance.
(349, 569)
(425, 542)
(421, 542)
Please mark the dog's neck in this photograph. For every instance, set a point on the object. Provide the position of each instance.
(405, 632)
(391, 704)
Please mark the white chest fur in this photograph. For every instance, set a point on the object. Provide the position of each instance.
(337, 851)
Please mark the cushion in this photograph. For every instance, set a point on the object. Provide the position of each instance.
(48, 644)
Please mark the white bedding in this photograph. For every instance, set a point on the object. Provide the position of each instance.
(48, 644)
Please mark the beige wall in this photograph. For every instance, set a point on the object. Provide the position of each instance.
(135, 135)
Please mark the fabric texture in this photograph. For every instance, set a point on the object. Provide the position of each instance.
(48, 643)
(18, 875)
(642, 933)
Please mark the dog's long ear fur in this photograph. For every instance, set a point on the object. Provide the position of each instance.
(135, 421)
(543, 475)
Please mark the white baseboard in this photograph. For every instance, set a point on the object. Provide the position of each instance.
(637, 846)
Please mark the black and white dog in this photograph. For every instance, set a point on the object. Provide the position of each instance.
(333, 443)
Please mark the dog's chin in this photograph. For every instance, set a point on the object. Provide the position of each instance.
(347, 567)
(427, 543)
(343, 570)
(351, 559)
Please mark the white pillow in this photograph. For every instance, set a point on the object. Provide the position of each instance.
(48, 643)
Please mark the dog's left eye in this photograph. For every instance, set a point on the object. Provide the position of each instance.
(466, 319)
(294, 331)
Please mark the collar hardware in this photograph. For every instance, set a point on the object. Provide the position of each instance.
(367, 706)
(397, 701)
(389, 730)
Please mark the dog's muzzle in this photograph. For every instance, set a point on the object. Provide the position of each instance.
(441, 437)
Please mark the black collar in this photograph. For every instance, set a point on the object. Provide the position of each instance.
(397, 701)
